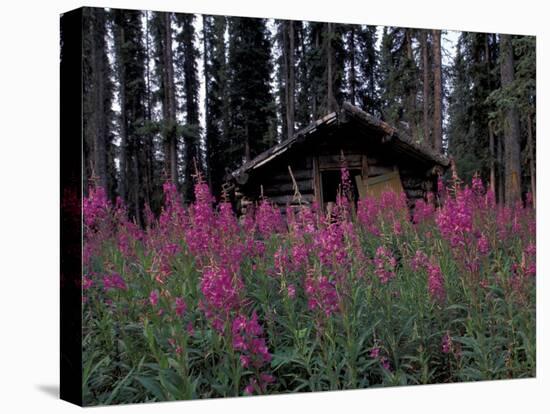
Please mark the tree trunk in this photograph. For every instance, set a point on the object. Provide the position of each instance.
(98, 62)
(137, 187)
(191, 85)
(315, 87)
(425, 85)
(148, 176)
(165, 97)
(330, 86)
(171, 98)
(123, 122)
(531, 149)
(205, 54)
(492, 174)
(352, 74)
(437, 116)
(411, 118)
(500, 168)
(303, 91)
(512, 166)
(290, 81)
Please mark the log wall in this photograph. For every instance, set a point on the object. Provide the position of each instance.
(273, 179)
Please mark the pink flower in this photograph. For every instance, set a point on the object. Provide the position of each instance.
(173, 344)
(267, 378)
(526, 269)
(269, 219)
(281, 261)
(291, 291)
(531, 250)
(346, 180)
(455, 219)
(245, 361)
(113, 282)
(181, 307)
(368, 212)
(384, 264)
(154, 298)
(321, 294)
(259, 384)
(436, 286)
(531, 270)
(477, 186)
(423, 210)
(299, 255)
(389, 207)
(419, 261)
(446, 343)
(222, 293)
(87, 283)
(95, 207)
(330, 246)
(483, 245)
(375, 353)
(249, 389)
(249, 341)
(397, 230)
(172, 218)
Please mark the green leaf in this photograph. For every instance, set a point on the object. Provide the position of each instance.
(152, 386)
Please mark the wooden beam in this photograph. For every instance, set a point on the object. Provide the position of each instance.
(317, 181)
(299, 175)
(364, 167)
(333, 161)
(288, 188)
(375, 170)
(284, 200)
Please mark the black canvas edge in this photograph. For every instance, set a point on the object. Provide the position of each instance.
(71, 206)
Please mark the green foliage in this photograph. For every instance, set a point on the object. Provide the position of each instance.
(475, 75)
(251, 104)
(369, 69)
(478, 99)
(398, 77)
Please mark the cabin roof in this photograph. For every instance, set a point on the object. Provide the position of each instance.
(397, 141)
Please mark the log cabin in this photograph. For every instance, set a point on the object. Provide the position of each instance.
(307, 167)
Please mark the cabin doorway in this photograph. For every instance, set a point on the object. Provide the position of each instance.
(331, 181)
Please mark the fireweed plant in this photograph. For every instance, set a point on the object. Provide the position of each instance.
(201, 303)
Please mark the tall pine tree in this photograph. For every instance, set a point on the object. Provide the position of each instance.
(164, 64)
(368, 64)
(130, 60)
(251, 104)
(215, 100)
(511, 124)
(188, 56)
(97, 102)
(473, 78)
(398, 79)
